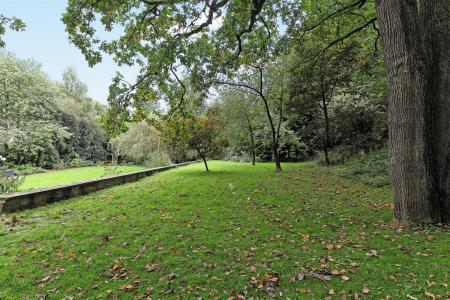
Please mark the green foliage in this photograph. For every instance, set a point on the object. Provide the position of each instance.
(177, 50)
(158, 159)
(29, 128)
(11, 23)
(202, 134)
(25, 169)
(371, 168)
(10, 184)
(41, 123)
(110, 170)
(78, 163)
(73, 85)
(142, 143)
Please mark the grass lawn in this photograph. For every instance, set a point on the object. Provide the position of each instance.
(54, 178)
(237, 231)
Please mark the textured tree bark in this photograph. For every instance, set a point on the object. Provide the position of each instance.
(416, 41)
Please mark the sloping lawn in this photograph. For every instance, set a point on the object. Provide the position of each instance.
(239, 231)
(54, 178)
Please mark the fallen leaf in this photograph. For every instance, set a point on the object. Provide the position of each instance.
(126, 288)
(153, 267)
(43, 280)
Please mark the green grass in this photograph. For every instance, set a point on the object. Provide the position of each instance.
(54, 178)
(218, 234)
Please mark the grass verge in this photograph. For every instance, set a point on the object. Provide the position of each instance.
(54, 178)
(237, 231)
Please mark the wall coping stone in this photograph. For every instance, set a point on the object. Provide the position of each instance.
(38, 197)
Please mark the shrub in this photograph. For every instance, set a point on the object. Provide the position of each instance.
(10, 184)
(158, 159)
(78, 163)
(372, 168)
(26, 169)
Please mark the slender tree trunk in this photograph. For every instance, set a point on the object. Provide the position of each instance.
(252, 138)
(114, 159)
(204, 161)
(276, 158)
(417, 59)
(326, 142)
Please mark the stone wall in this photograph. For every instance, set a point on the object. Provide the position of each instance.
(38, 197)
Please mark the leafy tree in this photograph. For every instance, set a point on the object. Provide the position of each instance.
(41, 123)
(266, 81)
(143, 143)
(81, 117)
(318, 78)
(240, 115)
(29, 128)
(11, 23)
(204, 134)
(171, 42)
(73, 85)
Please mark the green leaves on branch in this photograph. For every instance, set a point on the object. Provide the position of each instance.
(11, 23)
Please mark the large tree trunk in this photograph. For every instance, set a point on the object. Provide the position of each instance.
(417, 58)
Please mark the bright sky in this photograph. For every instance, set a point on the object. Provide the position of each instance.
(46, 41)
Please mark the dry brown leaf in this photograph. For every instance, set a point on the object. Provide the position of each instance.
(152, 267)
(43, 280)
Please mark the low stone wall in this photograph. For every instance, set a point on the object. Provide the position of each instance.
(38, 197)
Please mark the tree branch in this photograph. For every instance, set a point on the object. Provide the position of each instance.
(340, 11)
(363, 26)
(213, 8)
(257, 8)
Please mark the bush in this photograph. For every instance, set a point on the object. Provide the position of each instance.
(158, 159)
(372, 168)
(78, 163)
(10, 184)
(26, 169)
(241, 156)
